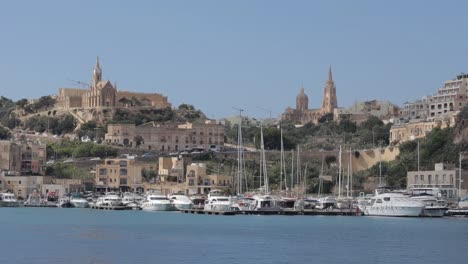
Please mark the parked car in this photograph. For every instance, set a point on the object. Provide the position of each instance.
(95, 159)
(147, 155)
(50, 162)
(69, 161)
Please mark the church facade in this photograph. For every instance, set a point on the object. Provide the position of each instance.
(303, 115)
(104, 94)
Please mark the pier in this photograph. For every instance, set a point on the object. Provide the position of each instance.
(348, 212)
(110, 207)
(198, 211)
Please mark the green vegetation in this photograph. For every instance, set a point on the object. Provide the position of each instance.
(56, 125)
(67, 171)
(42, 104)
(77, 149)
(327, 135)
(4, 133)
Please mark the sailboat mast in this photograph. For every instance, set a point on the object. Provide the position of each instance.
(460, 175)
(418, 155)
(339, 174)
(298, 171)
(281, 160)
(292, 171)
(351, 170)
(347, 180)
(320, 179)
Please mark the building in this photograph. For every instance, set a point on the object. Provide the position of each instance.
(444, 176)
(23, 158)
(22, 186)
(198, 182)
(302, 114)
(418, 128)
(360, 111)
(103, 94)
(121, 174)
(167, 136)
(171, 167)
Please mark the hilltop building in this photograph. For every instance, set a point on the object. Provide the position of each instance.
(167, 136)
(103, 94)
(302, 114)
(439, 110)
(360, 111)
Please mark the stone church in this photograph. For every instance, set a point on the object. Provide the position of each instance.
(104, 94)
(303, 115)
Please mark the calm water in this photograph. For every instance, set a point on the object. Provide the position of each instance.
(50, 235)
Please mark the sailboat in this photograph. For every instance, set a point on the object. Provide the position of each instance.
(344, 202)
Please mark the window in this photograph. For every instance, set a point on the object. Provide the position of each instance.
(123, 181)
(422, 178)
(123, 163)
(416, 179)
(437, 179)
(102, 171)
(429, 179)
(386, 199)
(379, 201)
(19, 182)
(123, 172)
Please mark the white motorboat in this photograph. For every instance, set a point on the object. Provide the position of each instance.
(110, 199)
(64, 202)
(78, 201)
(243, 204)
(326, 202)
(265, 203)
(393, 204)
(8, 200)
(218, 203)
(344, 202)
(463, 204)
(35, 199)
(198, 201)
(181, 202)
(157, 202)
(433, 207)
(132, 199)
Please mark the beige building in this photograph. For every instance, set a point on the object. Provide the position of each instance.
(360, 111)
(104, 94)
(23, 158)
(171, 167)
(445, 177)
(302, 114)
(22, 186)
(121, 174)
(167, 137)
(414, 129)
(198, 182)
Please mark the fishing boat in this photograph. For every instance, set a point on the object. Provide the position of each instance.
(393, 204)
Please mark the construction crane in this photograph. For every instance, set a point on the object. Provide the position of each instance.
(82, 84)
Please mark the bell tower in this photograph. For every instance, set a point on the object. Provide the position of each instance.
(97, 73)
(329, 95)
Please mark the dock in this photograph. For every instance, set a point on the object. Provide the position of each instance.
(349, 212)
(199, 211)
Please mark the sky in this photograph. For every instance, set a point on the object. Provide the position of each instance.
(220, 55)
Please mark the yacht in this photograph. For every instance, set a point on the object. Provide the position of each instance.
(393, 204)
(8, 200)
(110, 199)
(78, 201)
(132, 199)
(35, 199)
(181, 202)
(157, 202)
(265, 203)
(198, 201)
(434, 205)
(463, 204)
(243, 204)
(344, 202)
(217, 203)
(326, 202)
(64, 202)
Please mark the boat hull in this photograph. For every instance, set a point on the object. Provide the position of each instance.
(394, 211)
(157, 207)
(9, 204)
(217, 207)
(434, 211)
(182, 206)
(80, 204)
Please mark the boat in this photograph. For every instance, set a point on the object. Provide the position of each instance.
(393, 204)
(265, 203)
(326, 202)
(132, 199)
(217, 203)
(463, 204)
(181, 202)
(35, 200)
(78, 201)
(64, 202)
(157, 202)
(8, 200)
(198, 201)
(434, 205)
(110, 199)
(243, 204)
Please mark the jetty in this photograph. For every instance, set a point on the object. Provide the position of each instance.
(201, 211)
(110, 207)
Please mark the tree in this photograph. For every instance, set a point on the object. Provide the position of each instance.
(22, 103)
(4, 133)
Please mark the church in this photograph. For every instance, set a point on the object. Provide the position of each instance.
(303, 115)
(104, 94)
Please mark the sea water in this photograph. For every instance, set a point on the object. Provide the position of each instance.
(59, 235)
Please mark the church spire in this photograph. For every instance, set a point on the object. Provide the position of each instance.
(330, 101)
(97, 73)
(330, 77)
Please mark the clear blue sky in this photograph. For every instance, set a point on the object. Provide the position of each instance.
(244, 53)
